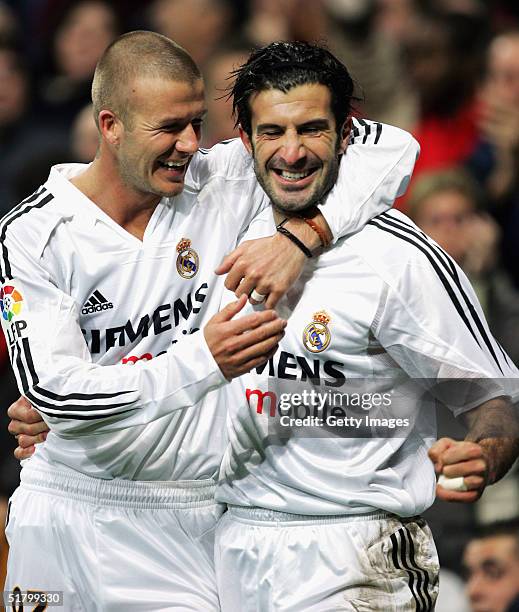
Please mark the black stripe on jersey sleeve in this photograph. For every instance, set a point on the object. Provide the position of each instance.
(354, 134)
(21, 369)
(441, 276)
(507, 359)
(364, 129)
(34, 196)
(454, 272)
(367, 130)
(73, 416)
(57, 410)
(63, 398)
(444, 257)
(78, 409)
(448, 264)
(6, 273)
(379, 132)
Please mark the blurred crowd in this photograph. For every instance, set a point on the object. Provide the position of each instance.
(446, 70)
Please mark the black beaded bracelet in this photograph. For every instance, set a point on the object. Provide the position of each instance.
(283, 230)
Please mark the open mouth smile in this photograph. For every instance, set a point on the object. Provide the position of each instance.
(300, 178)
(171, 165)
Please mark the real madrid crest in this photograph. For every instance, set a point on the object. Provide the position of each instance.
(187, 259)
(316, 335)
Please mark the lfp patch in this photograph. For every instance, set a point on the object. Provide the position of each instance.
(11, 302)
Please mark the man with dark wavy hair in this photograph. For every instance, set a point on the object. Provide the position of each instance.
(329, 465)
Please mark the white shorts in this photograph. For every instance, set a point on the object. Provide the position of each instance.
(272, 561)
(114, 545)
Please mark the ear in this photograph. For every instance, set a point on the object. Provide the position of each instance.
(345, 135)
(110, 127)
(245, 139)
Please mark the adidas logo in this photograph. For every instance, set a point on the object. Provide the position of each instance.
(96, 303)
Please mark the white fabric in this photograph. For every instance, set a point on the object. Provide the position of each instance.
(111, 417)
(271, 564)
(394, 330)
(129, 420)
(104, 340)
(113, 545)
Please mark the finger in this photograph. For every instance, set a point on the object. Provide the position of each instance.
(235, 276)
(247, 285)
(437, 450)
(260, 334)
(256, 297)
(252, 280)
(474, 483)
(24, 453)
(465, 497)
(27, 441)
(232, 309)
(255, 363)
(228, 261)
(23, 411)
(253, 321)
(462, 451)
(273, 298)
(18, 427)
(260, 348)
(465, 468)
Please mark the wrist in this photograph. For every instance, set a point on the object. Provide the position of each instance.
(310, 232)
(294, 238)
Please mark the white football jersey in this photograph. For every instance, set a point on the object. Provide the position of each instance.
(104, 330)
(340, 420)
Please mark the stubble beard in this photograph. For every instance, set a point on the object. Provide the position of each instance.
(291, 205)
(136, 182)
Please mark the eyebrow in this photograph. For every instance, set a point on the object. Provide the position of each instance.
(491, 564)
(179, 120)
(319, 123)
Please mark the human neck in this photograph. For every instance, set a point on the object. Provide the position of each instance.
(102, 184)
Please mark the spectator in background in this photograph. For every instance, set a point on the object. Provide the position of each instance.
(491, 561)
(373, 60)
(499, 116)
(495, 161)
(199, 26)
(444, 56)
(270, 20)
(395, 18)
(9, 26)
(219, 123)
(445, 205)
(80, 146)
(20, 129)
(85, 137)
(84, 32)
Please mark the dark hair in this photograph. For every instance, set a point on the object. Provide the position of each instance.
(284, 65)
(509, 527)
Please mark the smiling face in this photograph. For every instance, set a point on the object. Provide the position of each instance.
(159, 135)
(295, 145)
